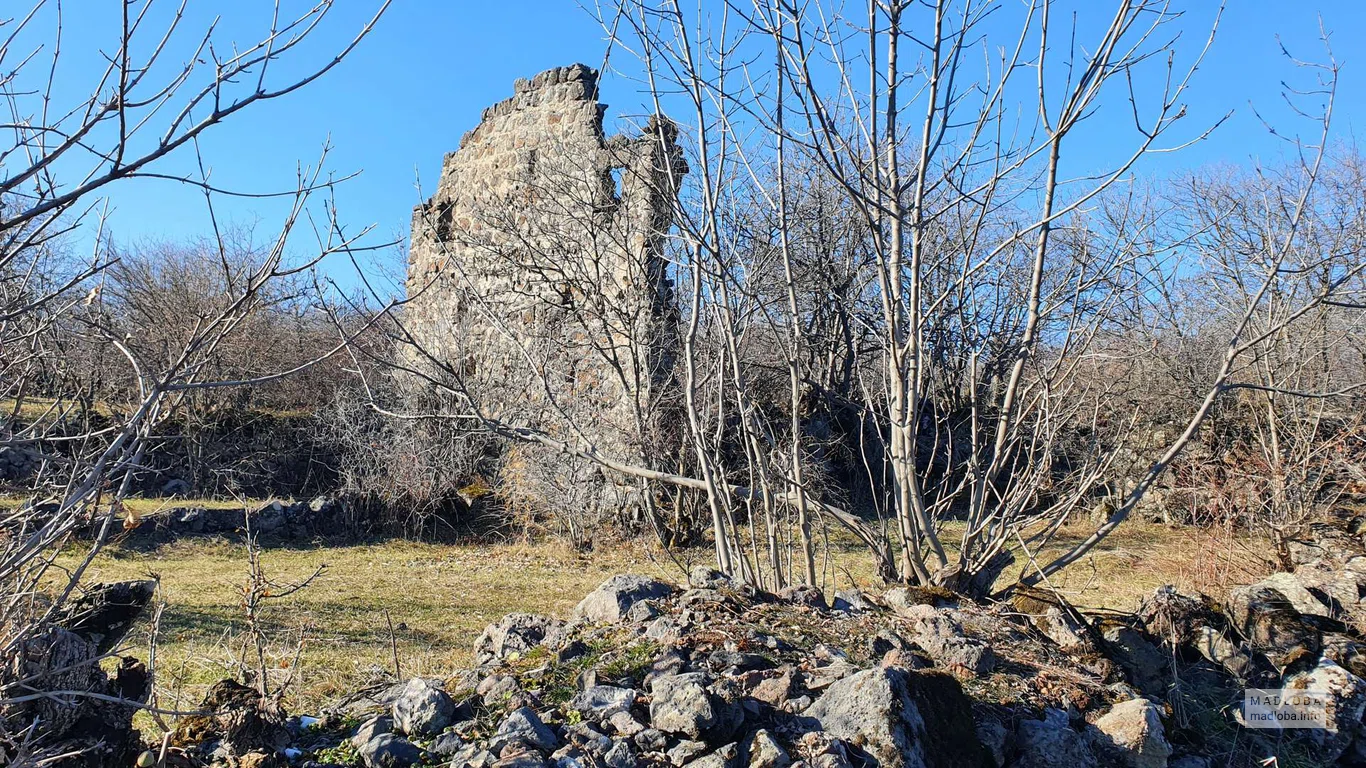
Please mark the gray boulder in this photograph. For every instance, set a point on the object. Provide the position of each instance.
(472, 756)
(1131, 733)
(724, 757)
(1064, 630)
(664, 630)
(497, 688)
(1144, 664)
(515, 633)
(600, 702)
(1215, 647)
(765, 752)
(1048, 743)
(682, 704)
(852, 601)
(942, 637)
(1175, 618)
(1346, 705)
(651, 740)
(447, 744)
(524, 726)
(1272, 625)
(705, 577)
(875, 709)
(1289, 586)
(803, 594)
(684, 751)
(588, 739)
(389, 751)
(624, 724)
(422, 709)
(995, 739)
(621, 755)
(371, 728)
(611, 601)
(771, 686)
(521, 760)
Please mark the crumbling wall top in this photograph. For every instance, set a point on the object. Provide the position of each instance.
(576, 82)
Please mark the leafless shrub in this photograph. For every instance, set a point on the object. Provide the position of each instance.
(412, 476)
(264, 661)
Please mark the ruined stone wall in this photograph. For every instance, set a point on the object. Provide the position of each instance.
(537, 273)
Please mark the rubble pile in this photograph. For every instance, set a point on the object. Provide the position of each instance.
(718, 674)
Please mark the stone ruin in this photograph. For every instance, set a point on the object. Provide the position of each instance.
(537, 276)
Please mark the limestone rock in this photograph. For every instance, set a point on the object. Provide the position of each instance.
(389, 751)
(704, 577)
(1212, 644)
(724, 757)
(898, 599)
(651, 740)
(684, 751)
(765, 751)
(611, 601)
(771, 686)
(422, 709)
(1047, 744)
(1175, 618)
(682, 704)
(875, 710)
(1062, 629)
(621, 755)
(803, 594)
(1132, 732)
(525, 726)
(521, 760)
(447, 744)
(1346, 698)
(514, 633)
(664, 630)
(472, 756)
(624, 724)
(852, 601)
(497, 688)
(587, 738)
(375, 726)
(1338, 589)
(944, 640)
(1272, 625)
(1302, 599)
(600, 702)
(995, 739)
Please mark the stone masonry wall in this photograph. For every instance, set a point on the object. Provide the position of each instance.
(537, 274)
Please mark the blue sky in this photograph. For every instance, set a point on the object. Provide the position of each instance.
(405, 96)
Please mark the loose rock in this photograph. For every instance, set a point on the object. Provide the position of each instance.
(1131, 732)
(422, 709)
(611, 601)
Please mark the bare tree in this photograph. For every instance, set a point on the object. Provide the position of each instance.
(141, 110)
(902, 310)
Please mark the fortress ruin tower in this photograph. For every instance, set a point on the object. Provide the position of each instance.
(537, 276)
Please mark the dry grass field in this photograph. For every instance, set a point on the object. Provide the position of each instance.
(438, 597)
